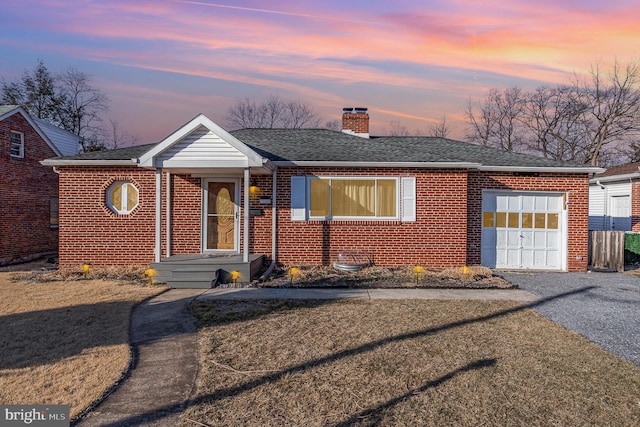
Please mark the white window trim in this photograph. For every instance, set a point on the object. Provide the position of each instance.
(396, 217)
(123, 197)
(21, 154)
(407, 200)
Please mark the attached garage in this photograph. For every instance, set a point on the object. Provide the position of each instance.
(524, 230)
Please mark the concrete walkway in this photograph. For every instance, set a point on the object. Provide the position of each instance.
(345, 293)
(164, 339)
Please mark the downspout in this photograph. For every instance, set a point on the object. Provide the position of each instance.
(158, 250)
(168, 214)
(604, 203)
(245, 252)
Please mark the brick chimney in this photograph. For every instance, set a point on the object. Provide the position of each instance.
(355, 121)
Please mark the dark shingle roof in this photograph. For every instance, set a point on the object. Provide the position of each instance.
(625, 169)
(322, 145)
(126, 153)
(327, 145)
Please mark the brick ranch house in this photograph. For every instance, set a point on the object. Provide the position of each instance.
(302, 196)
(29, 190)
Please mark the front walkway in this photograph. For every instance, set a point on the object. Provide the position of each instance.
(347, 293)
(164, 338)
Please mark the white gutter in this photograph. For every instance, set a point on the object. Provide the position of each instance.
(569, 169)
(456, 165)
(613, 178)
(61, 162)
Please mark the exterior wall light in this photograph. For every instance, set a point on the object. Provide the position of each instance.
(254, 190)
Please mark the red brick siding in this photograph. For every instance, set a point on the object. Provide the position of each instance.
(635, 206)
(355, 122)
(578, 208)
(445, 234)
(91, 232)
(260, 225)
(438, 238)
(186, 215)
(25, 191)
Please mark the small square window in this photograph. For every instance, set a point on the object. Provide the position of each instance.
(17, 144)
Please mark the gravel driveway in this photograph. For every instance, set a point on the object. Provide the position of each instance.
(603, 307)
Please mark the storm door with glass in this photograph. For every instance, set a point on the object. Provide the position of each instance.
(221, 216)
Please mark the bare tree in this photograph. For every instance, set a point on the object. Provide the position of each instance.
(119, 138)
(68, 100)
(397, 129)
(591, 120)
(35, 92)
(552, 117)
(439, 129)
(333, 125)
(272, 113)
(81, 105)
(611, 110)
(499, 122)
(299, 115)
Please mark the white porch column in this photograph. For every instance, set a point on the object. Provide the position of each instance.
(158, 250)
(245, 251)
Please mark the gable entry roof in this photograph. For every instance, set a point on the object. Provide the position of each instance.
(202, 143)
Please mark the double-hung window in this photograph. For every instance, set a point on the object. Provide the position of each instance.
(352, 198)
(17, 144)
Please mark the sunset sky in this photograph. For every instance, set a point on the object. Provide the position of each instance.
(161, 62)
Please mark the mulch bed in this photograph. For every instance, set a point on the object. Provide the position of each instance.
(475, 277)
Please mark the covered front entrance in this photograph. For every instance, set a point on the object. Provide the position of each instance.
(524, 230)
(224, 166)
(222, 215)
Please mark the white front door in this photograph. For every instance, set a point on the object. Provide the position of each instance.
(220, 216)
(523, 230)
(620, 216)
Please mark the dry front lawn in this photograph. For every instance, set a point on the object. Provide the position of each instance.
(403, 363)
(64, 342)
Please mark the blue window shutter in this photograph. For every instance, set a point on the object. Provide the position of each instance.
(298, 198)
(408, 199)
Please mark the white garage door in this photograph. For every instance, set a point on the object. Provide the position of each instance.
(522, 230)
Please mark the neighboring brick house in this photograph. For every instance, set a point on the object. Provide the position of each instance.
(29, 190)
(614, 199)
(302, 196)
